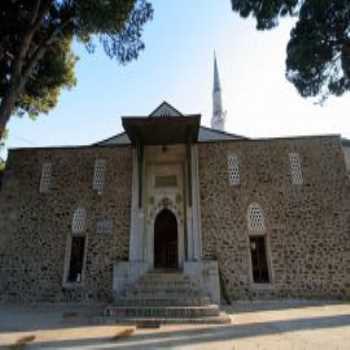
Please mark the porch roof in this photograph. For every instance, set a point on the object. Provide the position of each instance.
(162, 130)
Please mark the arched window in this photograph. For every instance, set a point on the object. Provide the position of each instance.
(99, 175)
(79, 221)
(296, 172)
(76, 248)
(256, 221)
(233, 169)
(257, 243)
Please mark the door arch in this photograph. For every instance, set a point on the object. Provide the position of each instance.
(166, 240)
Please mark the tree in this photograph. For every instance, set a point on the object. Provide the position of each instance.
(36, 58)
(318, 52)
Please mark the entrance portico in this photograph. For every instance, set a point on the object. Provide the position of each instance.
(165, 230)
(165, 177)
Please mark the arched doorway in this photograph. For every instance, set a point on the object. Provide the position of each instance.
(165, 240)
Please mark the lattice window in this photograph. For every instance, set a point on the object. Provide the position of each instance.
(99, 175)
(256, 221)
(104, 226)
(233, 169)
(45, 180)
(295, 168)
(79, 220)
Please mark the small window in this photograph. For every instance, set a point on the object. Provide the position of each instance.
(76, 259)
(99, 175)
(295, 168)
(104, 226)
(256, 221)
(45, 180)
(259, 260)
(79, 221)
(233, 170)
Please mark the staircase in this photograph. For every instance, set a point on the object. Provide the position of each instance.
(165, 297)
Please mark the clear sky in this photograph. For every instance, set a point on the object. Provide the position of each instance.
(177, 66)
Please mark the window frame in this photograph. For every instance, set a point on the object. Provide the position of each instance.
(73, 224)
(268, 253)
(263, 238)
(104, 232)
(233, 166)
(45, 183)
(99, 172)
(68, 254)
(68, 251)
(251, 228)
(296, 171)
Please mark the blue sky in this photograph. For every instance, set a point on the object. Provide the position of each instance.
(177, 66)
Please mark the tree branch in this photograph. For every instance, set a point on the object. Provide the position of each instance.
(28, 36)
(40, 52)
(35, 12)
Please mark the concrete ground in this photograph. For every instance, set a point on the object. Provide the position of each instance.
(290, 325)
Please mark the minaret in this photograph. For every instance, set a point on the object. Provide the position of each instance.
(218, 118)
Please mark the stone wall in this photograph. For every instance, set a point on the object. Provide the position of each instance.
(307, 226)
(35, 227)
(346, 150)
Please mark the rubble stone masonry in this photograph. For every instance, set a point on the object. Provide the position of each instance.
(35, 227)
(307, 226)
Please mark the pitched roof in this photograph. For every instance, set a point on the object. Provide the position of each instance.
(205, 135)
(165, 110)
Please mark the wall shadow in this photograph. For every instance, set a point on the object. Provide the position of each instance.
(198, 336)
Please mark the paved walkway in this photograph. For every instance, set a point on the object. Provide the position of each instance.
(255, 326)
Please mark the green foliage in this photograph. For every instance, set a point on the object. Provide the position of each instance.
(56, 71)
(318, 52)
(36, 58)
(266, 12)
(2, 166)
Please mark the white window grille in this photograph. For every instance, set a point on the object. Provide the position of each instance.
(79, 220)
(256, 221)
(104, 226)
(233, 170)
(295, 168)
(45, 180)
(99, 175)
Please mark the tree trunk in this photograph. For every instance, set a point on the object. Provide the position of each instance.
(6, 108)
(17, 80)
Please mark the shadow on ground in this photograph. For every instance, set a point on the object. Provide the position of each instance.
(198, 336)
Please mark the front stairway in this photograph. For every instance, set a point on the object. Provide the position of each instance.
(165, 297)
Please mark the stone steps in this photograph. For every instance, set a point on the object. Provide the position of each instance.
(166, 285)
(165, 301)
(164, 298)
(180, 312)
(222, 318)
(163, 293)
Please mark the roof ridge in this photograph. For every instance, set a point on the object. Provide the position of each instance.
(168, 105)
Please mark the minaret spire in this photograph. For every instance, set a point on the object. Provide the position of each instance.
(218, 118)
